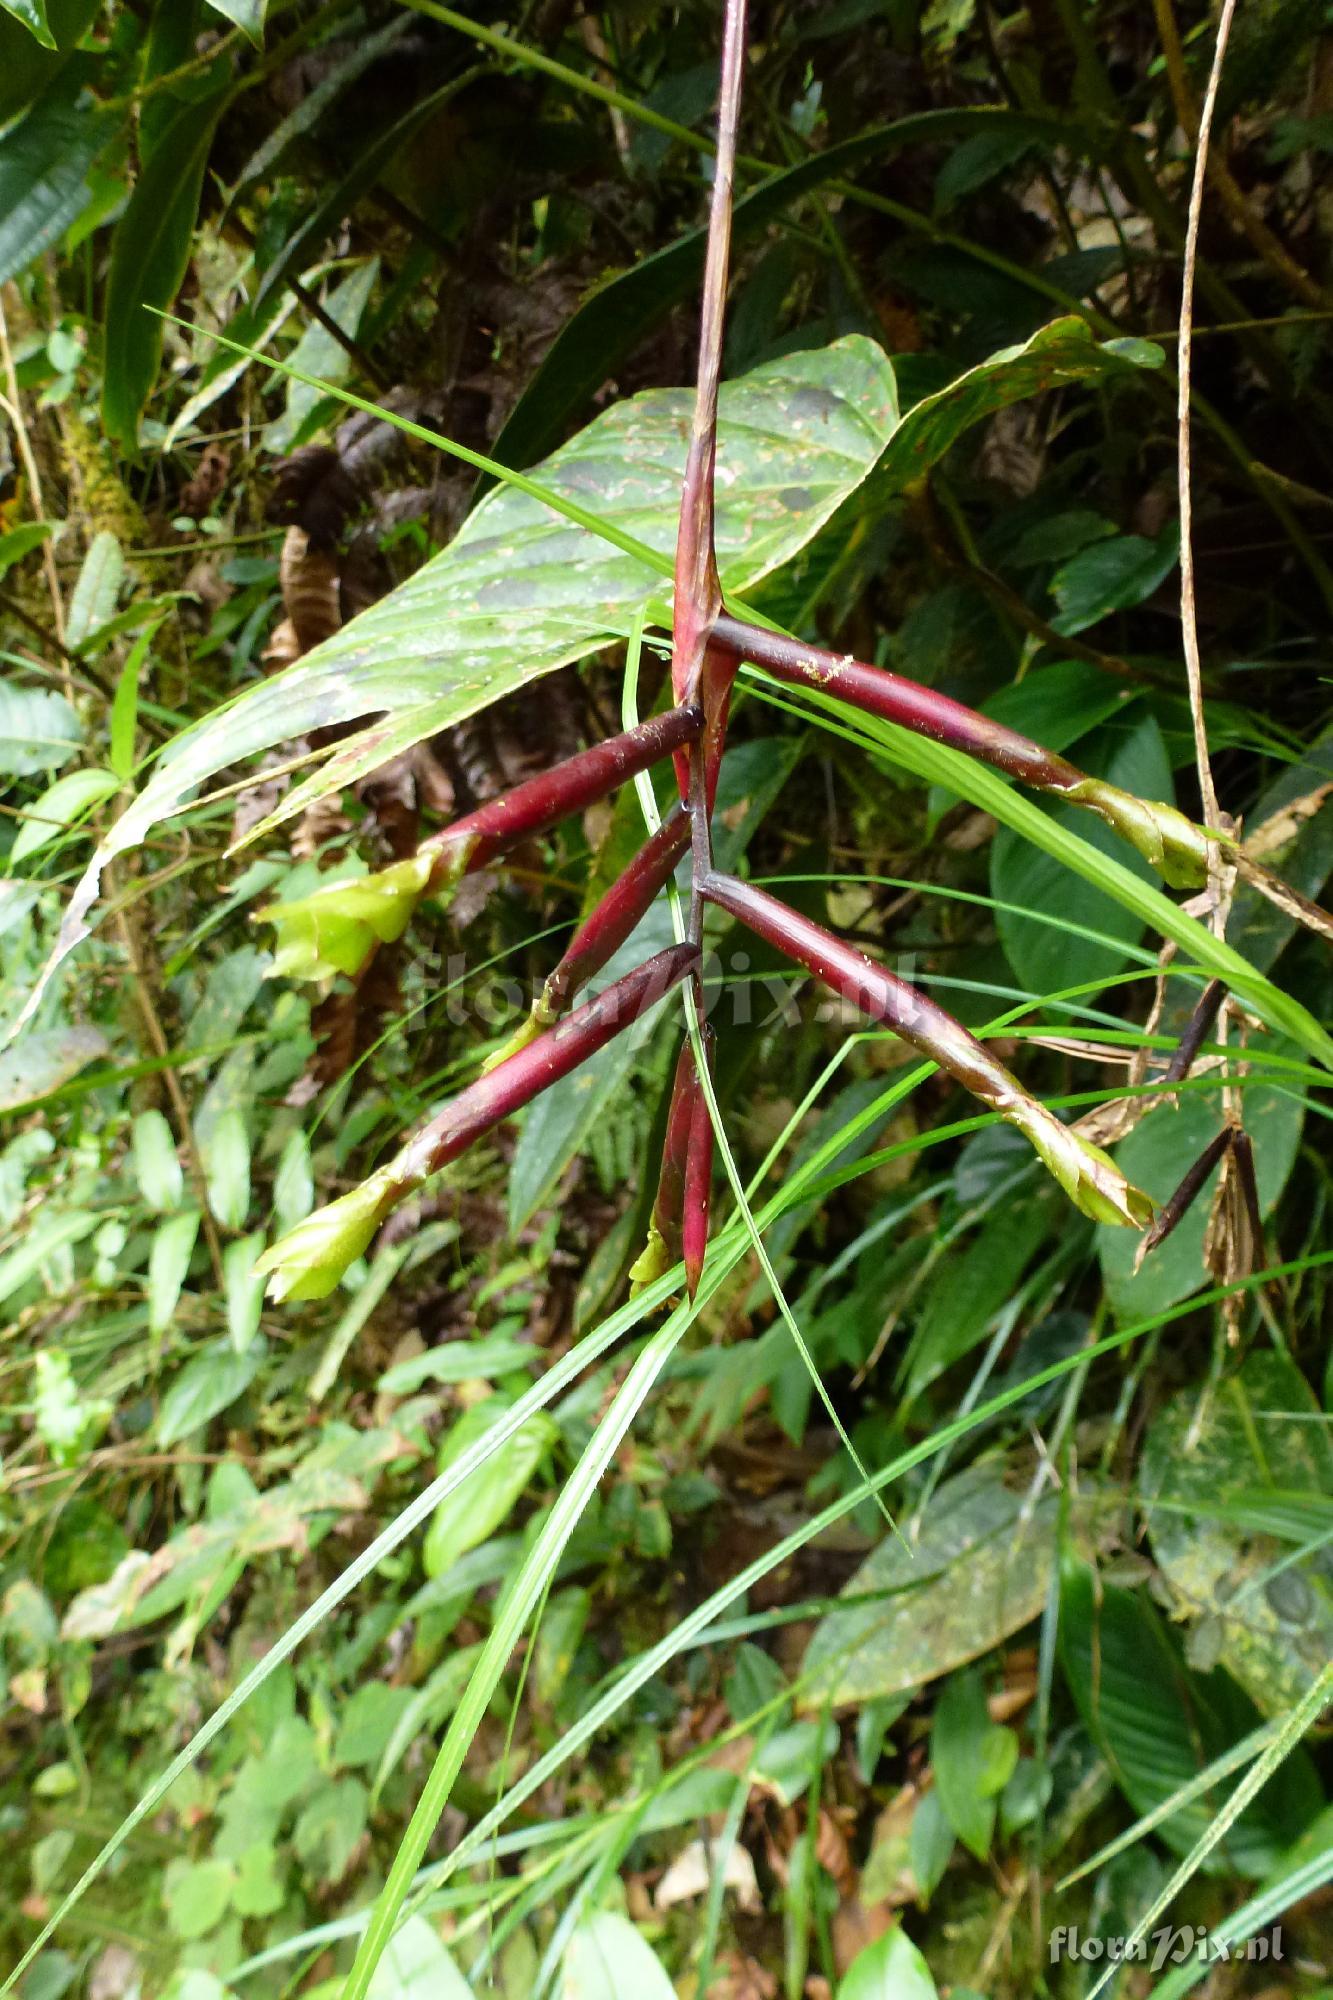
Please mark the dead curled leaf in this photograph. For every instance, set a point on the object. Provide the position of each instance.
(691, 1875)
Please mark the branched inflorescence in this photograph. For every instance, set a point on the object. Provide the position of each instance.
(337, 929)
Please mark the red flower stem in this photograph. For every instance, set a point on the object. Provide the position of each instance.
(670, 1202)
(698, 672)
(606, 927)
(875, 691)
(512, 1084)
(698, 593)
(698, 1177)
(542, 802)
(879, 994)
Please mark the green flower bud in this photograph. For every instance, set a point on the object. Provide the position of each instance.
(652, 1262)
(310, 1261)
(1171, 843)
(335, 929)
(1090, 1177)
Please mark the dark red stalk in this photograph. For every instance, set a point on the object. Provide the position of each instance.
(876, 992)
(507, 1088)
(606, 928)
(1177, 848)
(670, 1203)
(1088, 1176)
(699, 673)
(312, 1258)
(1178, 1205)
(542, 802)
(1196, 1030)
(921, 709)
(698, 1178)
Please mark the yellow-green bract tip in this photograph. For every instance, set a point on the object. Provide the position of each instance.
(310, 1261)
(335, 929)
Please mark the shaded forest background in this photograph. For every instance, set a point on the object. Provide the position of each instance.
(1110, 1600)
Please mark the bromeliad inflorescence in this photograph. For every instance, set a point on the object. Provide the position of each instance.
(337, 929)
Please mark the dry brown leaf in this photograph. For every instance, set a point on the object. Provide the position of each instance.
(308, 577)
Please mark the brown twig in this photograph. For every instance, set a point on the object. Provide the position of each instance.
(13, 407)
(1232, 196)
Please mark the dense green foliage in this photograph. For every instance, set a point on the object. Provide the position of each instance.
(288, 290)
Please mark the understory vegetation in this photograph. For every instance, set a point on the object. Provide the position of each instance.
(768, 1512)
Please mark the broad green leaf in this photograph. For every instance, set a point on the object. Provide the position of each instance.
(59, 806)
(32, 13)
(226, 1151)
(157, 1167)
(607, 1959)
(196, 1894)
(247, 15)
(1132, 755)
(975, 1572)
(1156, 1156)
(258, 1890)
(520, 590)
(1112, 576)
(93, 603)
(330, 1827)
(168, 1264)
(150, 250)
(245, 1289)
(458, 1361)
(125, 708)
(416, 1966)
(26, 68)
(39, 1063)
(16, 543)
(1158, 1724)
(209, 1383)
(890, 1969)
(367, 1723)
(1065, 351)
(958, 1739)
(1212, 1457)
(469, 1516)
(294, 1182)
(1058, 704)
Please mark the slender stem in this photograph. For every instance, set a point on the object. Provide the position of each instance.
(551, 796)
(698, 672)
(553, 1055)
(876, 691)
(1184, 360)
(698, 1174)
(1177, 1205)
(608, 926)
(1091, 1180)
